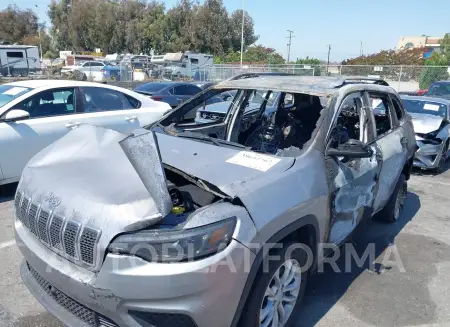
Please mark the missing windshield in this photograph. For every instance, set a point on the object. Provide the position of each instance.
(263, 121)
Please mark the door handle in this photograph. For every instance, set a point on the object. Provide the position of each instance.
(131, 118)
(379, 156)
(72, 125)
(404, 141)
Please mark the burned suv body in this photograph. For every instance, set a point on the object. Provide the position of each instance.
(168, 226)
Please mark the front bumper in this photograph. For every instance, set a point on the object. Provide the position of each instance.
(428, 156)
(131, 292)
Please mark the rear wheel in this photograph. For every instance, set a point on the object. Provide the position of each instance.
(24, 73)
(277, 293)
(393, 209)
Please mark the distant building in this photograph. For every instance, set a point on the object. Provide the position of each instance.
(429, 43)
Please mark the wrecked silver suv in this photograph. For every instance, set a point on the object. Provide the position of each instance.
(188, 224)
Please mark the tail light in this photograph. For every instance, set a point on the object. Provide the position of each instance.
(422, 92)
(156, 98)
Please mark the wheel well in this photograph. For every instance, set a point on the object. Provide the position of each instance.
(304, 230)
(305, 235)
(407, 168)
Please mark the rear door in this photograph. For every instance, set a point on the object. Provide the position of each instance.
(393, 143)
(50, 114)
(108, 108)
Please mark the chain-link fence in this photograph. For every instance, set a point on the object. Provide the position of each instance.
(402, 78)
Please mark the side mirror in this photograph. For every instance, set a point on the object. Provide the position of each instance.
(15, 115)
(353, 149)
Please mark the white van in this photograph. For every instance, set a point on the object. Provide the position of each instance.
(19, 60)
(185, 64)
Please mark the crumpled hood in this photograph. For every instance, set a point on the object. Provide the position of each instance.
(86, 177)
(424, 123)
(229, 169)
(99, 178)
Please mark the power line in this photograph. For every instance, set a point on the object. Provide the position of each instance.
(289, 44)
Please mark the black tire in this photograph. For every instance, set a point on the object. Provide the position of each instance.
(251, 312)
(24, 73)
(388, 213)
(15, 73)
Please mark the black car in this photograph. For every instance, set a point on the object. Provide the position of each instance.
(439, 89)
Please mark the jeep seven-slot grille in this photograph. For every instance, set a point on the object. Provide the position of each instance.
(32, 213)
(83, 313)
(70, 238)
(87, 245)
(42, 225)
(64, 236)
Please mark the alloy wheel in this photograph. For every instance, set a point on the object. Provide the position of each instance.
(281, 295)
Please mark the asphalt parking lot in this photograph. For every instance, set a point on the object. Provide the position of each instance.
(380, 296)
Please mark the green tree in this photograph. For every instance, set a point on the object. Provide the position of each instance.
(436, 69)
(390, 57)
(310, 63)
(15, 24)
(236, 30)
(253, 55)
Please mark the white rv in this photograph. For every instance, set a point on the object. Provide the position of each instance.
(19, 60)
(185, 64)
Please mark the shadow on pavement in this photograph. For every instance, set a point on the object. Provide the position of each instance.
(7, 192)
(373, 293)
(41, 319)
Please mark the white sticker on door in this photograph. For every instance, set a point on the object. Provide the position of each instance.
(253, 160)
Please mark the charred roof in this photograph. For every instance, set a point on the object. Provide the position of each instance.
(315, 85)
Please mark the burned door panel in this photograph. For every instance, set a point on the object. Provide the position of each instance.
(394, 155)
(353, 182)
(354, 188)
(394, 145)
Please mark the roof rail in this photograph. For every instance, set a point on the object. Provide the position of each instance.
(253, 75)
(364, 79)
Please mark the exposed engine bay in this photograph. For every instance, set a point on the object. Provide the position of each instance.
(186, 196)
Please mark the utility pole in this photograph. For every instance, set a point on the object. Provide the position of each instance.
(289, 44)
(328, 61)
(40, 42)
(242, 31)
(361, 52)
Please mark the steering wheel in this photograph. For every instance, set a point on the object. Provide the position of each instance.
(265, 139)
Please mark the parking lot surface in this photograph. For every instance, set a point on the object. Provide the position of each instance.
(371, 295)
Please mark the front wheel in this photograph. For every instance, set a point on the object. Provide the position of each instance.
(277, 293)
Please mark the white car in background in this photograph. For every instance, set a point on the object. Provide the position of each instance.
(92, 70)
(33, 114)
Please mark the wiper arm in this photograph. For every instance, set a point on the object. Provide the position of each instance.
(202, 137)
(198, 136)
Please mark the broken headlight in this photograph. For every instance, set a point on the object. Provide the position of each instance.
(176, 245)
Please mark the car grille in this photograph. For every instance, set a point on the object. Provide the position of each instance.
(213, 115)
(66, 237)
(77, 309)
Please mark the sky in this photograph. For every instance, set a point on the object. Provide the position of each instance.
(343, 24)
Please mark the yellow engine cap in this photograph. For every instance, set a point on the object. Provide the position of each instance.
(177, 210)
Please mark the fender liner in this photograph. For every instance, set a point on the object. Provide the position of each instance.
(280, 235)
